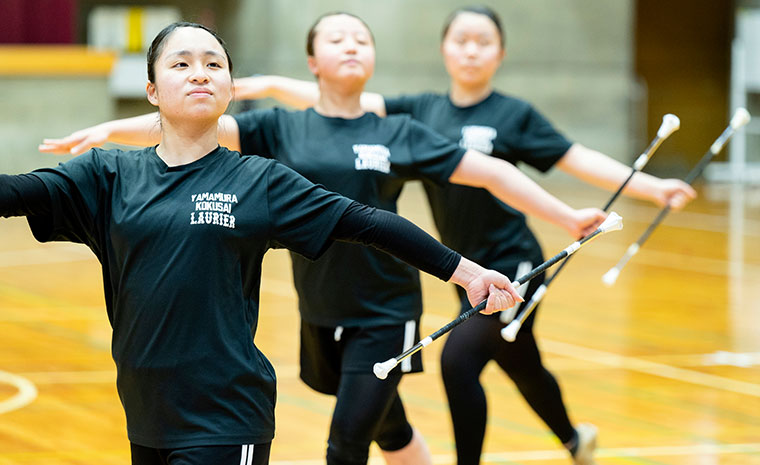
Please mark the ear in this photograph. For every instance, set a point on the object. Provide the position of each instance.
(150, 90)
(311, 62)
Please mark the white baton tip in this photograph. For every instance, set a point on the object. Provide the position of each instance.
(509, 332)
(570, 249)
(641, 162)
(740, 118)
(670, 124)
(610, 277)
(632, 249)
(614, 222)
(381, 370)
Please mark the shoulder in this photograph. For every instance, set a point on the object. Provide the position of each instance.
(399, 119)
(100, 158)
(432, 97)
(422, 98)
(247, 162)
(255, 116)
(515, 103)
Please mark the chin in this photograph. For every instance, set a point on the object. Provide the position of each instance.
(470, 80)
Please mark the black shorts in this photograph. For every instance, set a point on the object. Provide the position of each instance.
(242, 454)
(326, 352)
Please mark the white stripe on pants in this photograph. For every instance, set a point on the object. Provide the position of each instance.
(406, 364)
(246, 454)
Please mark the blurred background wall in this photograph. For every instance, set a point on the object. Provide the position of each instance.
(604, 71)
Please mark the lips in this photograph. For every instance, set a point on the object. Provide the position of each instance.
(200, 92)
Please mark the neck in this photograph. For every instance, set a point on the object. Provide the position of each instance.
(463, 95)
(186, 143)
(339, 102)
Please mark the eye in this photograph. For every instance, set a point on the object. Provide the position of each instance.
(214, 64)
(335, 38)
(179, 64)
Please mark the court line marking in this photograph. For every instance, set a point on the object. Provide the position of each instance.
(26, 394)
(46, 255)
(72, 377)
(558, 454)
(605, 359)
(649, 257)
(649, 367)
(601, 357)
(506, 457)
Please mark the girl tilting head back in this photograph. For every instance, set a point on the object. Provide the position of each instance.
(477, 117)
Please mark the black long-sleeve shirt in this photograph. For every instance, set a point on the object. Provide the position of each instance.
(26, 195)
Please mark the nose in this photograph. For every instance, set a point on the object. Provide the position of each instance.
(199, 74)
(470, 48)
(349, 45)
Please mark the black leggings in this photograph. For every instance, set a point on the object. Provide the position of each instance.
(468, 349)
(367, 409)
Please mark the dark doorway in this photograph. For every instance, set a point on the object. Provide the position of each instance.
(682, 56)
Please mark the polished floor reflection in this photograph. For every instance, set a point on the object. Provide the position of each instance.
(666, 362)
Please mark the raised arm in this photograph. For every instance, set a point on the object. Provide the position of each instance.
(603, 171)
(295, 92)
(142, 131)
(510, 185)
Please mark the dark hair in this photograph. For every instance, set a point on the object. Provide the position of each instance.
(313, 29)
(480, 10)
(157, 46)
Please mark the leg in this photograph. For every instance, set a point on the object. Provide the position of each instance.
(399, 442)
(363, 402)
(521, 360)
(464, 356)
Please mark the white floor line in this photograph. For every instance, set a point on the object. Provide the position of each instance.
(42, 256)
(609, 359)
(72, 377)
(619, 452)
(558, 454)
(652, 368)
(26, 394)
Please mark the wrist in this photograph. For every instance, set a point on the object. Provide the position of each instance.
(567, 219)
(108, 129)
(465, 272)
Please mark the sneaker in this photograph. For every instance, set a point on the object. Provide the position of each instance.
(584, 455)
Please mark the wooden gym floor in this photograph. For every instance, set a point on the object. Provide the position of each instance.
(666, 363)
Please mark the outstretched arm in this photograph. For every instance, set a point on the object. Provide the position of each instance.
(23, 195)
(295, 92)
(603, 171)
(142, 131)
(510, 185)
(399, 237)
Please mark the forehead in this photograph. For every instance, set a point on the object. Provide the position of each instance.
(191, 39)
(468, 22)
(341, 23)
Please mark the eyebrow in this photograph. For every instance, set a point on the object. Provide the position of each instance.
(188, 52)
